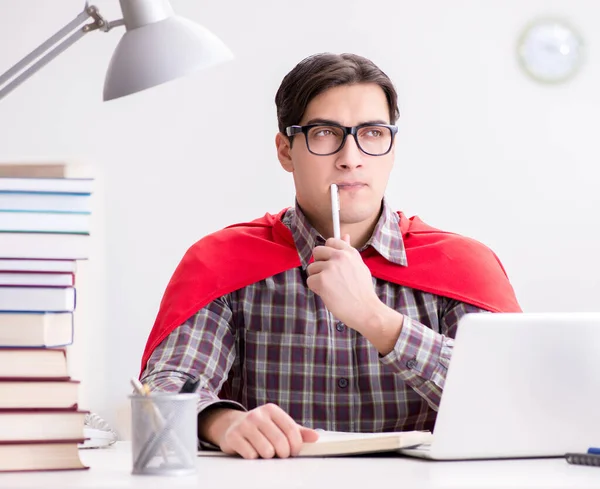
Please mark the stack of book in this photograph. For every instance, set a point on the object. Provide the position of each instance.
(44, 229)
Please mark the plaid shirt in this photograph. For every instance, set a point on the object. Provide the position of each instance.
(277, 343)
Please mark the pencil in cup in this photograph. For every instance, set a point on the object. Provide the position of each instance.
(158, 438)
(155, 416)
(175, 416)
(144, 390)
(152, 432)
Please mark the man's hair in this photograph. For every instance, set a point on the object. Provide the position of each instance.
(320, 72)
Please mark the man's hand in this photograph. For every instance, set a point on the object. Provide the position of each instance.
(340, 277)
(266, 432)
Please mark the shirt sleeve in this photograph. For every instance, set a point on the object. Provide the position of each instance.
(202, 348)
(421, 355)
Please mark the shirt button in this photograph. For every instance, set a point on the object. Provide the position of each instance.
(412, 363)
(339, 327)
(343, 383)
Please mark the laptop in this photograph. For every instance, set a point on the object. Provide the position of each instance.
(519, 385)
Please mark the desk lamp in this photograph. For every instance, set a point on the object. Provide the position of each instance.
(157, 47)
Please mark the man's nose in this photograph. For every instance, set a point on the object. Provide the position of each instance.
(350, 156)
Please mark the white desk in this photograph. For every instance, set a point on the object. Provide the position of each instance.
(110, 468)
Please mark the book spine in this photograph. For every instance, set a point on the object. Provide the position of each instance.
(42, 442)
(7, 281)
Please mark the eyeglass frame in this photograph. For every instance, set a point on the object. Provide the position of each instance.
(353, 131)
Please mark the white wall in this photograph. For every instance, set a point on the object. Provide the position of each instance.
(482, 149)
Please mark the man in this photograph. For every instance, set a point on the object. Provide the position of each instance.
(289, 329)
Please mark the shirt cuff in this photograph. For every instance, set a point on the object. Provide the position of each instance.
(417, 353)
(204, 406)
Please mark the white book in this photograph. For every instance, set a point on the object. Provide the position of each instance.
(44, 222)
(33, 279)
(46, 202)
(39, 329)
(16, 265)
(56, 185)
(50, 299)
(337, 444)
(44, 246)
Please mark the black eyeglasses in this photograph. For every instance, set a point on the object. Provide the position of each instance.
(328, 139)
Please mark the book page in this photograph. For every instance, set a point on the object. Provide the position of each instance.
(327, 436)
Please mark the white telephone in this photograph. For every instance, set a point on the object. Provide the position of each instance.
(98, 433)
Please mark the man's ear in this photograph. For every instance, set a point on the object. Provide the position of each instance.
(284, 152)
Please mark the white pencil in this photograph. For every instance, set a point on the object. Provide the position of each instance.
(335, 210)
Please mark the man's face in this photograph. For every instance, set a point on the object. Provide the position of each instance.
(361, 178)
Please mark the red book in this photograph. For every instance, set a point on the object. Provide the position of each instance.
(18, 363)
(34, 456)
(38, 393)
(41, 425)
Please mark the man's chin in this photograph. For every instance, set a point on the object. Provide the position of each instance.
(359, 214)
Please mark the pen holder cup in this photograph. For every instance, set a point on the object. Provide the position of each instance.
(164, 429)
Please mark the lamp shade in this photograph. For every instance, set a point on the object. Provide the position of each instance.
(158, 52)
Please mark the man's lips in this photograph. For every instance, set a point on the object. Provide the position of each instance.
(350, 185)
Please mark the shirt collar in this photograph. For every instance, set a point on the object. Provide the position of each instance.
(386, 238)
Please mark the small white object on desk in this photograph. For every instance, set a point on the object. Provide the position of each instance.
(97, 432)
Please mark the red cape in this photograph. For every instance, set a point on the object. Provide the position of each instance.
(439, 262)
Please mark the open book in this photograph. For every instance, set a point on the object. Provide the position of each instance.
(337, 444)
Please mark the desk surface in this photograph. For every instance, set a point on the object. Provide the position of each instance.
(111, 467)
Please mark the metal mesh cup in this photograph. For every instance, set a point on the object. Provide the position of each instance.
(164, 430)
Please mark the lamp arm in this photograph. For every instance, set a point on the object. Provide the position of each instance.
(44, 59)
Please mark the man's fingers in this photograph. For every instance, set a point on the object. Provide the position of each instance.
(312, 283)
(266, 432)
(338, 244)
(315, 267)
(325, 253)
(308, 435)
(332, 246)
(277, 438)
(322, 253)
(289, 428)
(277, 443)
(238, 444)
(259, 441)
